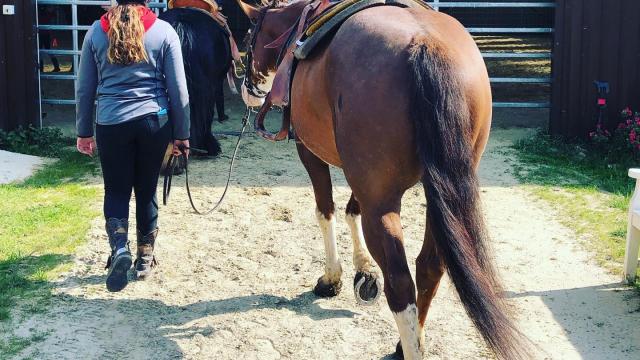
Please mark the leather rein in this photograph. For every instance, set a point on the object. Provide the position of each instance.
(172, 161)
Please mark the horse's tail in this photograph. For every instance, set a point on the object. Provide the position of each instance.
(443, 131)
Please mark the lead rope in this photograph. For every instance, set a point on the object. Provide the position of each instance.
(174, 161)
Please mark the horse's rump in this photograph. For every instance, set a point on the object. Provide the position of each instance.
(363, 68)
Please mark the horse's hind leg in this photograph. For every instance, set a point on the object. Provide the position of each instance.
(429, 271)
(367, 288)
(383, 234)
(329, 284)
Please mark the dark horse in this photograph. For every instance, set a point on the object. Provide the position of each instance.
(397, 96)
(207, 59)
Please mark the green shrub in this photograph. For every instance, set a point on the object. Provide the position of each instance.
(621, 146)
(46, 141)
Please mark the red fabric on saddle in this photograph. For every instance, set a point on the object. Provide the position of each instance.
(147, 16)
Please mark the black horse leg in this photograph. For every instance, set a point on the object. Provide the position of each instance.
(213, 146)
(220, 101)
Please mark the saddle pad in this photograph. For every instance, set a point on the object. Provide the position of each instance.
(328, 22)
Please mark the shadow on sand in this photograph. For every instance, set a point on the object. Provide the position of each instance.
(592, 317)
(152, 324)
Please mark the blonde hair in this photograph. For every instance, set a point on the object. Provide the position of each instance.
(126, 32)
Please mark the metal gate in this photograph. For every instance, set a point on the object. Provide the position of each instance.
(74, 27)
(439, 4)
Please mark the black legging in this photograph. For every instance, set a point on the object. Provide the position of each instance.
(131, 155)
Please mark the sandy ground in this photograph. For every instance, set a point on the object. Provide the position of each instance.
(17, 167)
(237, 284)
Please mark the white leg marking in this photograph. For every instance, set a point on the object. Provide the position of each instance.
(332, 268)
(408, 326)
(361, 257)
(421, 338)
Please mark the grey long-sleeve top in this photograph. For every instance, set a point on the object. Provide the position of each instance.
(126, 93)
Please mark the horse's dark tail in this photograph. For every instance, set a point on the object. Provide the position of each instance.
(442, 126)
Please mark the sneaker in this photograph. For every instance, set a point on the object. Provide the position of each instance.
(120, 260)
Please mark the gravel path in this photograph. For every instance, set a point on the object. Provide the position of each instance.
(237, 284)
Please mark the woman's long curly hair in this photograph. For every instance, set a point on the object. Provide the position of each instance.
(126, 33)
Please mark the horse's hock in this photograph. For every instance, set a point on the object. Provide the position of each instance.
(633, 231)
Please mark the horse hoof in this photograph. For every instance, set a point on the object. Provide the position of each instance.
(325, 290)
(367, 288)
(399, 355)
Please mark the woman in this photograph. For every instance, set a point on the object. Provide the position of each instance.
(132, 62)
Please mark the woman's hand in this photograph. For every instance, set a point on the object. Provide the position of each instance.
(86, 145)
(177, 144)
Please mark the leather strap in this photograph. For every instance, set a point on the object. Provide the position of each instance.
(280, 94)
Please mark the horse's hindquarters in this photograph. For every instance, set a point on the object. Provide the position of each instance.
(357, 89)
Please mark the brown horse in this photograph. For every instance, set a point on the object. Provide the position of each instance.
(398, 96)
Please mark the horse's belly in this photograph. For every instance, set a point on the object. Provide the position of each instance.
(311, 114)
(317, 134)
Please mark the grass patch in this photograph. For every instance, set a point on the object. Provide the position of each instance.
(586, 184)
(44, 219)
